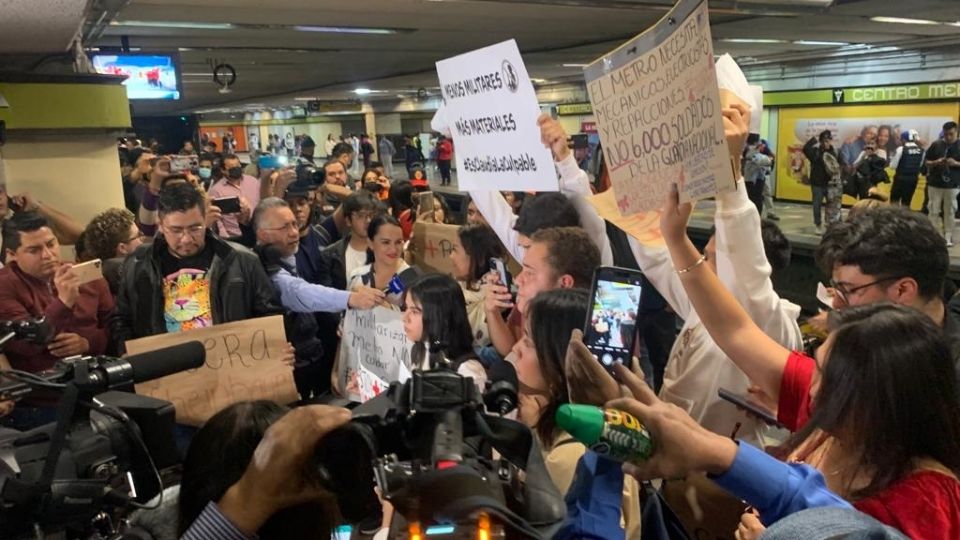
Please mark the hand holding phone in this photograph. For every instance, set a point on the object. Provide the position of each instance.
(425, 203)
(497, 265)
(227, 205)
(610, 331)
(88, 271)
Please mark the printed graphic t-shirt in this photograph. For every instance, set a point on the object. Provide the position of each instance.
(186, 291)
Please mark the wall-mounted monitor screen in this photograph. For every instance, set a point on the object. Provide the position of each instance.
(148, 75)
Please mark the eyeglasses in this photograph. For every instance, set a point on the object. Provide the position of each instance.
(179, 232)
(844, 293)
(139, 236)
(288, 226)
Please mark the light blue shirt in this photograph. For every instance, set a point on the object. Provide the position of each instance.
(301, 296)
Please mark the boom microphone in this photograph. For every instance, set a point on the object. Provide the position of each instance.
(166, 361)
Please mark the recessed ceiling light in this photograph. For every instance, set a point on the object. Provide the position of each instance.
(344, 30)
(174, 24)
(752, 40)
(827, 43)
(901, 20)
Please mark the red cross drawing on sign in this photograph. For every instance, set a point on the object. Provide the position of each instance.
(376, 388)
(623, 203)
(431, 248)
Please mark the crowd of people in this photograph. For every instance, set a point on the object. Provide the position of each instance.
(860, 164)
(872, 410)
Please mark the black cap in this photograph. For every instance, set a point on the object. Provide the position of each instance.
(307, 141)
(298, 190)
(825, 135)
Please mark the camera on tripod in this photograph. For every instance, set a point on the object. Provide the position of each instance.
(103, 453)
(431, 443)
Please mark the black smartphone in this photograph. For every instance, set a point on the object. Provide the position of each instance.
(500, 267)
(749, 406)
(580, 140)
(610, 331)
(228, 205)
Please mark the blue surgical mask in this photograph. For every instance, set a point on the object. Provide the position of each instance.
(205, 172)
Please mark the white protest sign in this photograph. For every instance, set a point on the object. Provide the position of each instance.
(658, 112)
(491, 109)
(374, 352)
(243, 362)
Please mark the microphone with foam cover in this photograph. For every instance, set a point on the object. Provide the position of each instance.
(166, 361)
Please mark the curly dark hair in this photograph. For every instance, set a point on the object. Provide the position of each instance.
(105, 231)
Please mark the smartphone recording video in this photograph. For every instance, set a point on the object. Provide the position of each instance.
(611, 328)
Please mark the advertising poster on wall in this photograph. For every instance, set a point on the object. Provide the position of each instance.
(852, 127)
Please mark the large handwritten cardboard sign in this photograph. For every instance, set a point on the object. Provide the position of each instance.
(658, 112)
(243, 362)
(432, 246)
(374, 352)
(490, 108)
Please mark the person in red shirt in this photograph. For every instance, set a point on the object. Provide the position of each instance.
(876, 411)
(35, 283)
(444, 156)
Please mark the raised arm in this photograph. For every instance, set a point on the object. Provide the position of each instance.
(575, 185)
(730, 326)
(498, 213)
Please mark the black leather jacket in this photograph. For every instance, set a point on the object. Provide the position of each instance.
(239, 289)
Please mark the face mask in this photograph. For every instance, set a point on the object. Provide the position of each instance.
(205, 172)
(235, 172)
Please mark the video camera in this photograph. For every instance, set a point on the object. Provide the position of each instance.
(431, 445)
(309, 174)
(103, 453)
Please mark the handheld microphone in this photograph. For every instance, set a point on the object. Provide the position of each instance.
(502, 383)
(400, 283)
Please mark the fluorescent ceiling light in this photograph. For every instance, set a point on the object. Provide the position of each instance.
(828, 43)
(752, 40)
(304, 99)
(575, 65)
(900, 20)
(362, 91)
(174, 24)
(344, 30)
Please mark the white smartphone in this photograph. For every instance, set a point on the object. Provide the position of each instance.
(88, 271)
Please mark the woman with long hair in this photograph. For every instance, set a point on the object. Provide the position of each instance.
(435, 320)
(384, 255)
(876, 411)
(540, 361)
(473, 247)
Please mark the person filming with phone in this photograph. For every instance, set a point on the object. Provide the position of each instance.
(36, 283)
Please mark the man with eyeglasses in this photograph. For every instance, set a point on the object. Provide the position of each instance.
(188, 277)
(890, 254)
(278, 241)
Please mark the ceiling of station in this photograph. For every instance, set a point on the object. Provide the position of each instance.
(288, 49)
